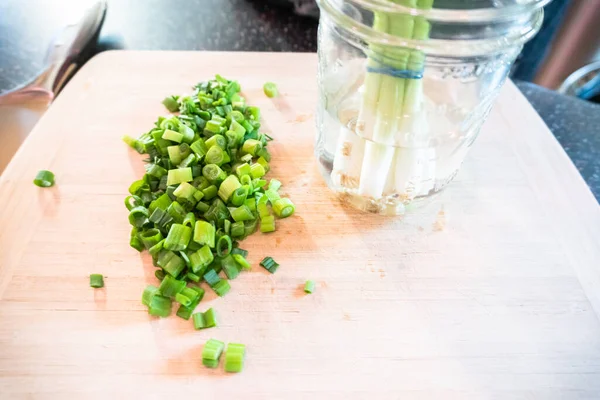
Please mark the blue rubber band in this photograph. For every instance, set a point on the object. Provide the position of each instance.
(397, 73)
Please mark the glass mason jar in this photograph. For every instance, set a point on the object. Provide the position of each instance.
(404, 88)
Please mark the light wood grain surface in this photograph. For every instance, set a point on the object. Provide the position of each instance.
(501, 304)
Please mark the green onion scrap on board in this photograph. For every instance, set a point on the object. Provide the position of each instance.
(204, 191)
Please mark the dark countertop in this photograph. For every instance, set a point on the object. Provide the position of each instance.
(27, 27)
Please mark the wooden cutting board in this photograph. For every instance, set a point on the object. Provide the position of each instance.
(502, 303)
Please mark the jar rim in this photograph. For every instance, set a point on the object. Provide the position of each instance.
(475, 15)
(440, 47)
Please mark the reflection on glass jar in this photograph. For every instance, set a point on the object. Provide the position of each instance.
(404, 88)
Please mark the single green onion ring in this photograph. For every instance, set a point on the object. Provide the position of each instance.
(224, 240)
(44, 179)
(270, 89)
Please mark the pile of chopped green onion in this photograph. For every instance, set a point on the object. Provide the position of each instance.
(203, 192)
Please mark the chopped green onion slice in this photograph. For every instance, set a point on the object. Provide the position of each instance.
(234, 357)
(283, 208)
(96, 280)
(242, 262)
(222, 287)
(212, 352)
(269, 264)
(267, 224)
(178, 238)
(224, 245)
(44, 179)
(270, 89)
(204, 233)
(148, 293)
(309, 287)
(160, 306)
(170, 286)
(230, 267)
(205, 320)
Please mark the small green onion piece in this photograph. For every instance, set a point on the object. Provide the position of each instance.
(228, 187)
(263, 210)
(224, 245)
(185, 191)
(213, 173)
(242, 169)
(210, 192)
(216, 155)
(171, 104)
(170, 286)
(138, 216)
(176, 176)
(170, 262)
(269, 264)
(189, 161)
(159, 274)
(267, 224)
(257, 171)
(272, 195)
(274, 185)
(270, 89)
(148, 293)
(193, 277)
(246, 180)
(186, 312)
(204, 233)
(237, 229)
(309, 287)
(183, 300)
(132, 202)
(155, 170)
(221, 288)
(155, 250)
(177, 212)
(134, 143)
(211, 277)
(216, 140)
(258, 184)
(134, 240)
(251, 204)
(230, 267)
(283, 208)
(227, 226)
(190, 220)
(264, 163)
(96, 280)
(201, 259)
(178, 238)
(205, 320)
(234, 357)
(172, 136)
(239, 196)
(212, 352)
(242, 262)
(151, 237)
(186, 132)
(242, 252)
(212, 128)
(264, 153)
(159, 306)
(139, 187)
(251, 146)
(199, 148)
(201, 206)
(242, 213)
(163, 202)
(44, 179)
(178, 153)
